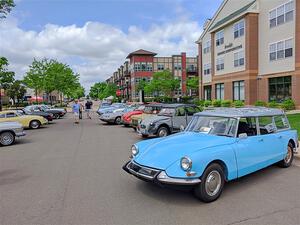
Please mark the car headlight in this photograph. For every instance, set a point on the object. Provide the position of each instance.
(152, 124)
(186, 163)
(134, 150)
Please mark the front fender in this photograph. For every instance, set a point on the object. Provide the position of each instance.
(202, 158)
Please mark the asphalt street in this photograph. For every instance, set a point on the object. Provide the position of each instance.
(71, 174)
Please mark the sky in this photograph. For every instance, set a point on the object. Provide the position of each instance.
(95, 36)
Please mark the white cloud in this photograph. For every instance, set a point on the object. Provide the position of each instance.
(94, 50)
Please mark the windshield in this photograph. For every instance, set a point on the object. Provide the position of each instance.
(220, 126)
(167, 112)
(142, 107)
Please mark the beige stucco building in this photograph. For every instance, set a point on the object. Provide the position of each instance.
(250, 51)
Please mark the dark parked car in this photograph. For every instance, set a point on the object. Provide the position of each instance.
(46, 115)
(56, 113)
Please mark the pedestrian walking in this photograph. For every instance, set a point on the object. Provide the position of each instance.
(88, 108)
(81, 108)
(76, 110)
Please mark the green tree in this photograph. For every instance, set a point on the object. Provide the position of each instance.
(5, 7)
(163, 82)
(34, 78)
(6, 77)
(110, 90)
(193, 83)
(16, 91)
(97, 89)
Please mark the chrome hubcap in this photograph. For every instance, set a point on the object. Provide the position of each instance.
(163, 133)
(213, 183)
(118, 120)
(6, 139)
(288, 156)
(34, 124)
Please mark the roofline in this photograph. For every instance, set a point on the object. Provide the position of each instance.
(212, 20)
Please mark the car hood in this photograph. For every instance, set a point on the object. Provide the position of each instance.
(129, 114)
(164, 152)
(10, 125)
(154, 119)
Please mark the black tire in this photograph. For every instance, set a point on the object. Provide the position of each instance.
(118, 120)
(126, 125)
(162, 132)
(7, 138)
(134, 128)
(288, 159)
(209, 191)
(145, 136)
(35, 124)
(56, 116)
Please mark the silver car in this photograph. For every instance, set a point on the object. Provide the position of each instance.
(9, 131)
(115, 116)
(171, 119)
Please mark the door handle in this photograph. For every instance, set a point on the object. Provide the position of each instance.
(280, 137)
(261, 140)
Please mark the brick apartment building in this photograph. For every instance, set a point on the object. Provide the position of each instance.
(250, 50)
(142, 64)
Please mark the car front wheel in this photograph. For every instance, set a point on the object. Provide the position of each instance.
(288, 159)
(7, 138)
(118, 120)
(162, 132)
(212, 183)
(56, 116)
(35, 124)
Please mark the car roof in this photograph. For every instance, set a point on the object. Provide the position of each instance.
(241, 112)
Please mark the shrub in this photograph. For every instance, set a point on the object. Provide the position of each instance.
(273, 104)
(216, 103)
(186, 99)
(238, 104)
(198, 102)
(226, 103)
(207, 103)
(288, 104)
(260, 103)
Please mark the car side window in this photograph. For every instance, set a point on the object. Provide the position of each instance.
(281, 122)
(190, 111)
(180, 111)
(266, 125)
(247, 126)
(2, 116)
(10, 115)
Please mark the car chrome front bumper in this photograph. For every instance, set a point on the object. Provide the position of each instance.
(20, 134)
(156, 176)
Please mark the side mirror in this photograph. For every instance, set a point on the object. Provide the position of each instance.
(243, 136)
(182, 128)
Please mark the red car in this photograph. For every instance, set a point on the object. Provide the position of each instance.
(126, 118)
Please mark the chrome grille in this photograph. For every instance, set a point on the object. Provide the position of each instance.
(142, 171)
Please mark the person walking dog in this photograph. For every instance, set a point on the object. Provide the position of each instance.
(76, 109)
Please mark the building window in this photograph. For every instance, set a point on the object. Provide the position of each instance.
(220, 64)
(149, 66)
(282, 14)
(191, 68)
(206, 69)
(137, 67)
(239, 59)
(207, 92)
(239, 29)
(206, 47)
(160, 66)
(281, 50)
(177, 66)
(220, 91)
(143, 66)
(220, 38)
(280, 88)
(239, 90)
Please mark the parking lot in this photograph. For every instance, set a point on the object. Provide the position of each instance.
(71, 174)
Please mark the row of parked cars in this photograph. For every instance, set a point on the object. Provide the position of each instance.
(13, 122)
(218, 145)
(154, 119)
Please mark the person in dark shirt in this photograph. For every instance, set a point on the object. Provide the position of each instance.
(88, 108)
